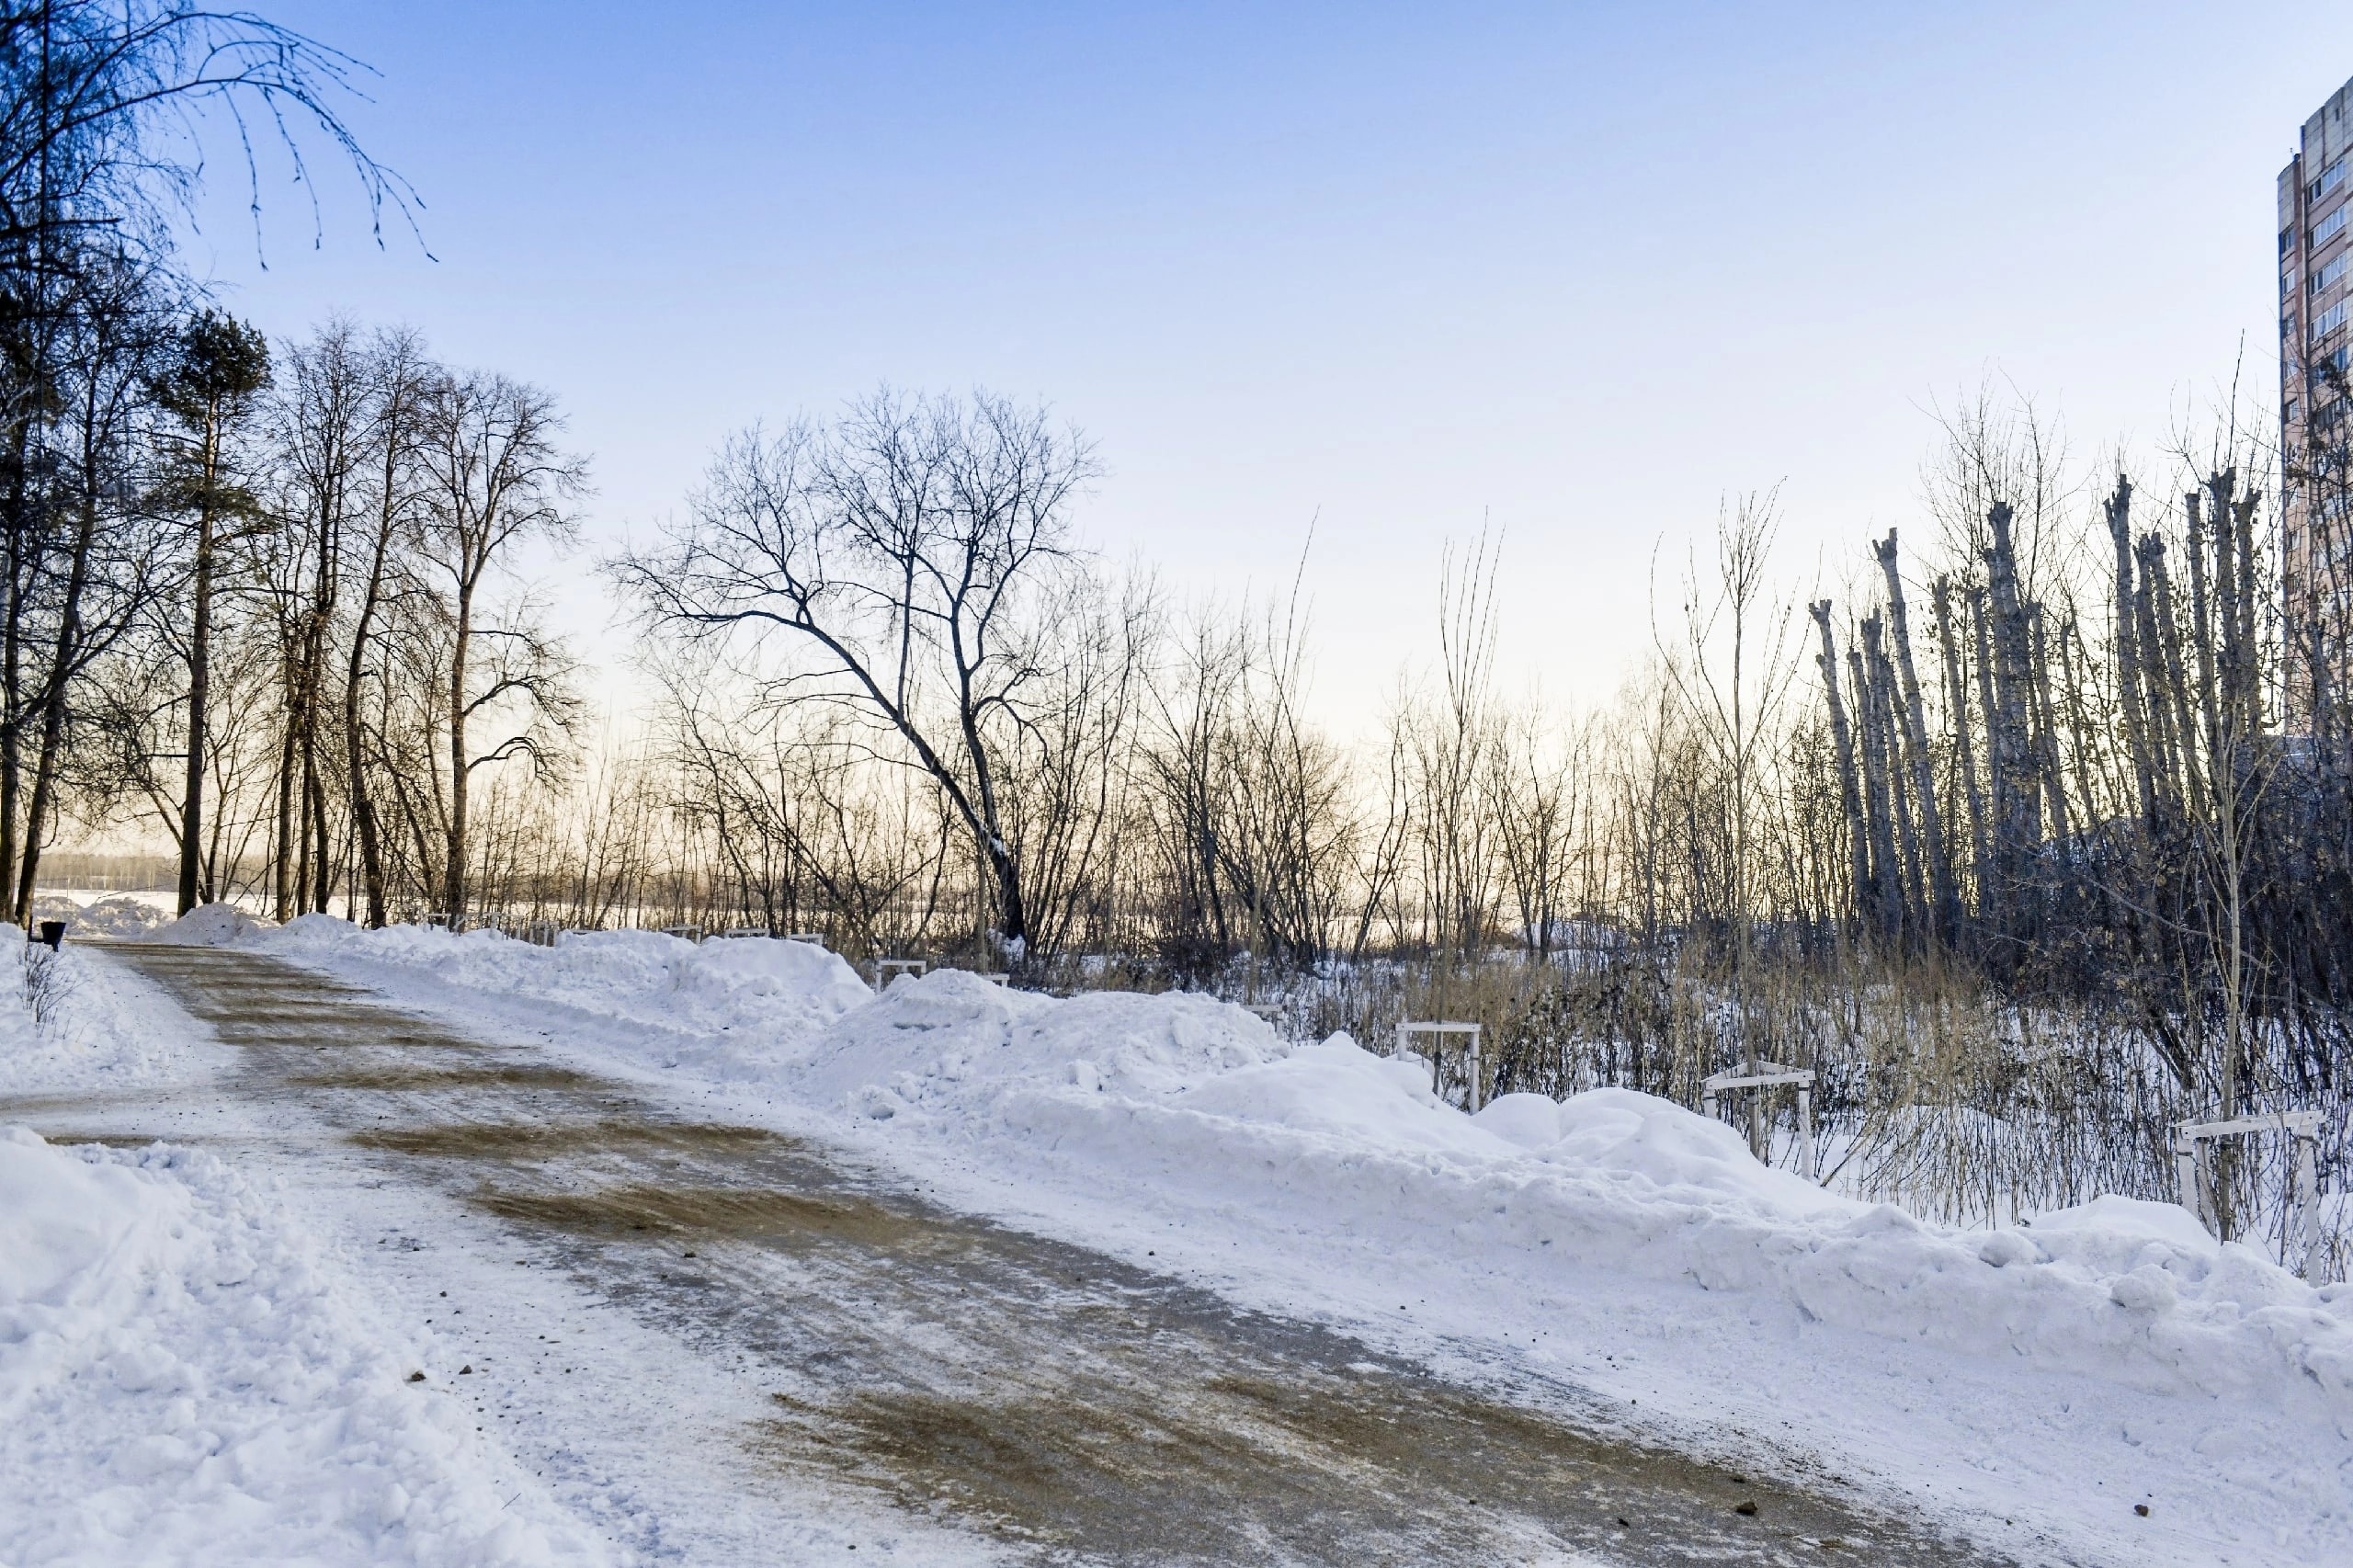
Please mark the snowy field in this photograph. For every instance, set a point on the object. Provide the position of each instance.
(2038, 1385)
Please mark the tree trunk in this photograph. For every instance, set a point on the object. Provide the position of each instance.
(12, 647)
(199, 669)
(1914, 883)
(2250, 652)
(1850, 790)
(2046, 727)
(1884, 872)
(2017, 788)
(1915, 736)
(2201, 632)
(2175, 672)
(322, 856)
(301, 834)
(53, 722)
(1964, 748)
(363, 804)
(2117, 510)
(282, 867)
(199, 681)
(365, 826)
(1995, 874)
(454, 884)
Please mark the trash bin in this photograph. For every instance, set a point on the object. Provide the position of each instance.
(52, 934)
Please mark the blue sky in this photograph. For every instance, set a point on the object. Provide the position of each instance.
(1579, 270)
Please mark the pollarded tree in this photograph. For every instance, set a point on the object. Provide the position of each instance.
(908, 550)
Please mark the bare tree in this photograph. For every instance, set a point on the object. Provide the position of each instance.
(1730, 668)
(907, 548)
(400, 382)
(496, 478)
(95, 569)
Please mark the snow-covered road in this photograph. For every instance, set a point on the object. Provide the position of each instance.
(716, 1342)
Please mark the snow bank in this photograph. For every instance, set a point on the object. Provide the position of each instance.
(100, 1027)
(1181, 1099)
(732, 1007)
(182, 1382)
(1181, 1092)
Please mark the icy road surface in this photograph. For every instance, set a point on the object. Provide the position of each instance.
(759, 1333)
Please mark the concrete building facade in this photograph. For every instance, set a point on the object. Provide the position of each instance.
(2315, 360)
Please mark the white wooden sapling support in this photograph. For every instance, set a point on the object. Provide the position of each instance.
(2190, 1164)
(1769, 1076)
(1440, 1033)
(889, 969)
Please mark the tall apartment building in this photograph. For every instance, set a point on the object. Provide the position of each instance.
(2315, 300)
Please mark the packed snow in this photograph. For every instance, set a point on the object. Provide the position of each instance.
(2061, 1368)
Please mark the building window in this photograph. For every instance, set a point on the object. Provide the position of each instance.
(2330, 178)
(2325, 278)
(2286, 235)
(2328, 228)
(2329, 320)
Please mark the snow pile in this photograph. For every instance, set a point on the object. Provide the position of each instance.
(208, 925)
(116, 917)
(950, 1043)
(735, 1006)
(120, 916)
(180, 1381)
(76, 1240)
